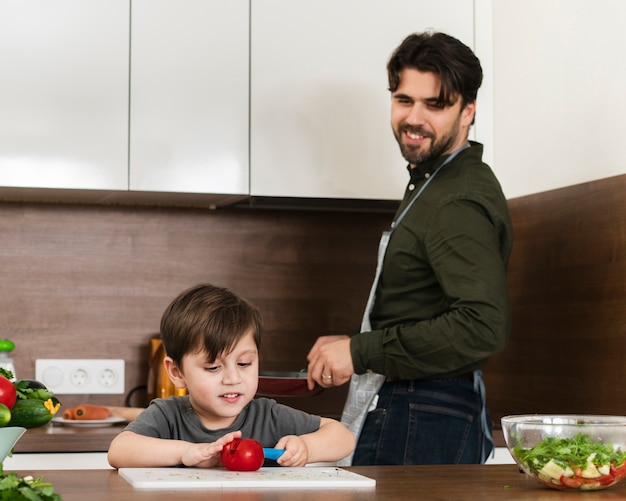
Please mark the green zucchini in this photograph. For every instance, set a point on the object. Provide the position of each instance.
(30, 413)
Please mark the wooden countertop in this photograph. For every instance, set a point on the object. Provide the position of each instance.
(448, 482)
(58, 438)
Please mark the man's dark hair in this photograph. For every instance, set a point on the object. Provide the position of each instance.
(455, 63)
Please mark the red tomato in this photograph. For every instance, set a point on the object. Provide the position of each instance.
(571, 482)
(243, 455)
(619, 472)
(606, 480)
(8, 395)
(576, 482)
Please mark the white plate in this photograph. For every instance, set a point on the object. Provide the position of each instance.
(89, 423)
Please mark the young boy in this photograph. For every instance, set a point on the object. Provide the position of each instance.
(212, 338)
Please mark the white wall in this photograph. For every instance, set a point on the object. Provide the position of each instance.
(559, 92)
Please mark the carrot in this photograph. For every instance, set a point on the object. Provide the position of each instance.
(127, 413)
(91, 412)
(69, 413)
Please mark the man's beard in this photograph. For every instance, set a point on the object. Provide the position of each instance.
(418, 154)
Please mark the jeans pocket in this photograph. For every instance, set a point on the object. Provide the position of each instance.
(441, 435)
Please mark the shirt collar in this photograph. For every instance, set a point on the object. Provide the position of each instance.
(425, 170)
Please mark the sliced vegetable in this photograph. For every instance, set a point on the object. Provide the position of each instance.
(574, 463)
(91, 412)
(619, 472)
(242, 454)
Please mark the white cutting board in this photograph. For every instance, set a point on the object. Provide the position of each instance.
(220, 478)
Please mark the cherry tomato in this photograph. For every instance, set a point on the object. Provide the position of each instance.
(243, 455)
(8, 395)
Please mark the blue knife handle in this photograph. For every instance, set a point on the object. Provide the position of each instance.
(273, 453)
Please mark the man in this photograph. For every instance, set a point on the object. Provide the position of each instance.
(439, 305)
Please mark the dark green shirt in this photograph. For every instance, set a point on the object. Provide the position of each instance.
(441, 306)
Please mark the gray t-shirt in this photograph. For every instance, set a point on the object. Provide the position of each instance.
(263, 419)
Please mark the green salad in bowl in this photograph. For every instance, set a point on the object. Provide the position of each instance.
(569, 452)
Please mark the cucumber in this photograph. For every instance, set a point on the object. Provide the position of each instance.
(30, 413)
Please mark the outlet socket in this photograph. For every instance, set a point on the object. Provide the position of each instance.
(84, 376)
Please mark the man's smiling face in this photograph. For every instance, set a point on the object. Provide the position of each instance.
(423, 127)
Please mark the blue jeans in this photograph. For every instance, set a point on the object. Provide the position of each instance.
(434, 421)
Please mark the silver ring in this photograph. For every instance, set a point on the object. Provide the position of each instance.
(327, 377)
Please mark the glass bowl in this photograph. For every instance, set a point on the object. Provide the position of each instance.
(568, 452)
(9, 435)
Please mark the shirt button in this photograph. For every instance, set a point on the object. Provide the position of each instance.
(426, 176)
(411, 187)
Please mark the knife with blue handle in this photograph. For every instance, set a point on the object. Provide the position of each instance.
(273, 454)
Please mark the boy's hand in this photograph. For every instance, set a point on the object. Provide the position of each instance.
(207, 455)
(296, 452)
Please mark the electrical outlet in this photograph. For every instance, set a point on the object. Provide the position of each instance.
(86, 376)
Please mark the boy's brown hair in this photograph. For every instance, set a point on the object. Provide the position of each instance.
(210, 319)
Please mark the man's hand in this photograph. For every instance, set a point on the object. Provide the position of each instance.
(330, 362)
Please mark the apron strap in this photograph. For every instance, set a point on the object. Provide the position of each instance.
(479, 387)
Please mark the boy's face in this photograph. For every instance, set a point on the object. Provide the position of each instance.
(219, 390)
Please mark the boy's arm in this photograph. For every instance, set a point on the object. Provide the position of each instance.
(331, 442)
(131, 450)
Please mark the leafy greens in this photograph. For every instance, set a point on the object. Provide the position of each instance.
(570, 452)
(14, 488)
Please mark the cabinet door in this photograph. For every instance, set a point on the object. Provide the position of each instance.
(189, 96)
(319, 98)
(569, 77)
(64, 93)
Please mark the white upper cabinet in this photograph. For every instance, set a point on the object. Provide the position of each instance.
(319, 98)
(264, 98)
(560, 93)
(189, 123)
(64, 94)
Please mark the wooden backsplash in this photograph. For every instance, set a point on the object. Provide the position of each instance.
(81, 281)
(567, 282)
